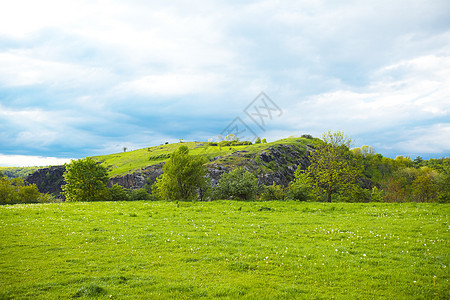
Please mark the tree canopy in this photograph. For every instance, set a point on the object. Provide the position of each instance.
(183, 175)
(333, 165)
(86, 181)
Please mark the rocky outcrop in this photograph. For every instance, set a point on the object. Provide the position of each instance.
(48, 180)
(275, 164)
(138, 179)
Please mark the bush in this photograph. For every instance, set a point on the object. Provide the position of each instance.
(118, 193)
(298, 191)
(17, 191)
(141, 194)
(273, 192)
(238, 184)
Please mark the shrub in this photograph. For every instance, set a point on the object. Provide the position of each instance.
(141, 194)
(273, 192)
(298, 191)
(237, 184)
(17, 191)
(118, 193)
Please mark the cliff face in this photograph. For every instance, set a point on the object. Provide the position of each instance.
(274, 164)
(48, 180)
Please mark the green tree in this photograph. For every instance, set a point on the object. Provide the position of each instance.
(238, 183)
(264, 141)
(333, 166)
(300, 188)
(182, 176)
(18, 191)
(86, 181)
(258, 140)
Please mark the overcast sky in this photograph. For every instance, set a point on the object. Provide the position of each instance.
(82, 78)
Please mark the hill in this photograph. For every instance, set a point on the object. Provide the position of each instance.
(271, 162)
(16, 172)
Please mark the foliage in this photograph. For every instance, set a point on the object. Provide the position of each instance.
(333, 166)
(376, 195)
(15, 190)
(182, 176)
(155, 250)
(141, 194)
(237, 184)
(159, 157)
(264, 141)
(16, 172)
(86, 181)
(118, 193)
(258, 140)
(234, 143)
(273, 192)
(300, 188)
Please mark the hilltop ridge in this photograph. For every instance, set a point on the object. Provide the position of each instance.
(270, 162)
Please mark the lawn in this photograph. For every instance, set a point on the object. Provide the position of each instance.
(224, 249)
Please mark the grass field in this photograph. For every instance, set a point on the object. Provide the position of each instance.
(224, 249)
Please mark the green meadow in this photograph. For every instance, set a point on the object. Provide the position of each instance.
(224, 249)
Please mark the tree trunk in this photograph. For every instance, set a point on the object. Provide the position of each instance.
(329, 194)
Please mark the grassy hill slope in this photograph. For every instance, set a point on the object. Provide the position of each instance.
(128, 162)
(16, 172)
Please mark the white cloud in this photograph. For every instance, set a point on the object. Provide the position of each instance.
(172, 84)
(425, 139)
(91, 70)
(20, 68)
(29, 161)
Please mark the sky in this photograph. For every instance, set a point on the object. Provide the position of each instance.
(83, 78)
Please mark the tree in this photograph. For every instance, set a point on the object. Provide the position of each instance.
(264, 141)
(182, 176)
(258, 140)
(86, 181)
(299, 189)
(333, 166)
(238, 183)
(18, 191)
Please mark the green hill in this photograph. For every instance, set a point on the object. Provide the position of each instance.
(119, 164)
(18, 172)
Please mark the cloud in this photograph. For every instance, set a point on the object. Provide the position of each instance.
(82, 77)
(29, 161)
